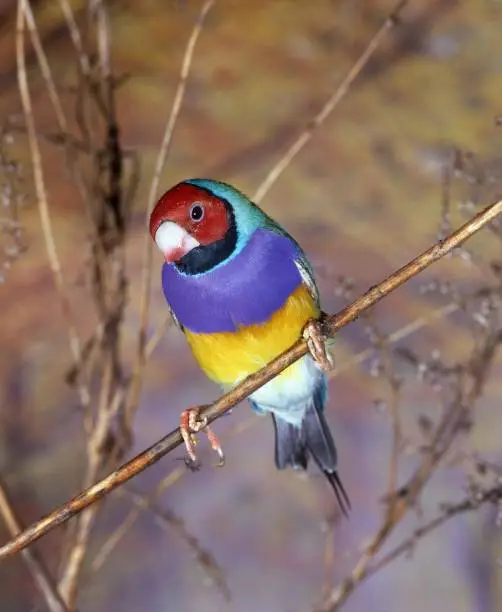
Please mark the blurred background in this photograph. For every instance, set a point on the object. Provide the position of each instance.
(363, 197)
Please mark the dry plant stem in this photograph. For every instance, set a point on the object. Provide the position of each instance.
(330, 105)
(171, 479)
(69, 580)
(55, 100)
(42, 202)
(403, 500)
(81, 384)
(135, 386)
(396, 437)
(83, 110)
(331, 325)
(394, 397)
(40, 573)
(44, 66)
(166, 519)
(329, 557)
(398, 507)
(111, 542)
(99, 430)
(492, 496)
(76, 37)
(396, 336)
(101, 427)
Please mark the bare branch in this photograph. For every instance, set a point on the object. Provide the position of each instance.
(402, 500)
(115, 537)
(76, 38)
(82, 386)
(107, 257)
(40, 573)
(331, 325)
(396, 336)
(42, 202)
(330, 105)
(492, 496)
(166, 519)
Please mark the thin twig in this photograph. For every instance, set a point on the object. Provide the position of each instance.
(35, 564)
(101, 428)
(76, 38)
(396, 336)
(83, 111)
(113, 539)
(406, 497)
(157, 336)
(42, 202)
(331, 325)
(493, 496)
(44, 67)
(389, 373)
(135, 387)
(106, 412)
(329, 556)
(167, 519)
(81, 384)
(111, 542)
(396, 436)
(330, 105)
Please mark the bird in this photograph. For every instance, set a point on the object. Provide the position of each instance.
(242, 291)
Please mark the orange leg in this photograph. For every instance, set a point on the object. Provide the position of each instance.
(312, 333)
(191, 423)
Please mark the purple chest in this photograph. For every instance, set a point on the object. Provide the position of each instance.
(245, 291)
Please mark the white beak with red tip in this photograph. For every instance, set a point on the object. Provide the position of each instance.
(174, 241)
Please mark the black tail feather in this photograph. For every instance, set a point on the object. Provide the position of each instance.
(290, 448)
(294, 444)
(338, 488)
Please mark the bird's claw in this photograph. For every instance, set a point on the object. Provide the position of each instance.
(193, 465)
(312, 333)
(191, 423)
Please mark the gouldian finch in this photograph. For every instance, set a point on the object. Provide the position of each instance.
(242, 291)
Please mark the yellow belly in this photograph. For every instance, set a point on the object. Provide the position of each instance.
(228, 357)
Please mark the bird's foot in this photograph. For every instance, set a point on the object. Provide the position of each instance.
(312, 333)
(191, 423)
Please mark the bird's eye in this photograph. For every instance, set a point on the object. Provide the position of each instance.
(197, 212)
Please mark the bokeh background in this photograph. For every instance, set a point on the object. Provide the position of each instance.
(362, 198)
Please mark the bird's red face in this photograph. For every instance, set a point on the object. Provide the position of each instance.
(187, 217)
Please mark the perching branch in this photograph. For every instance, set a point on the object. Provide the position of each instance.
(113, 539)
(331, 325)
